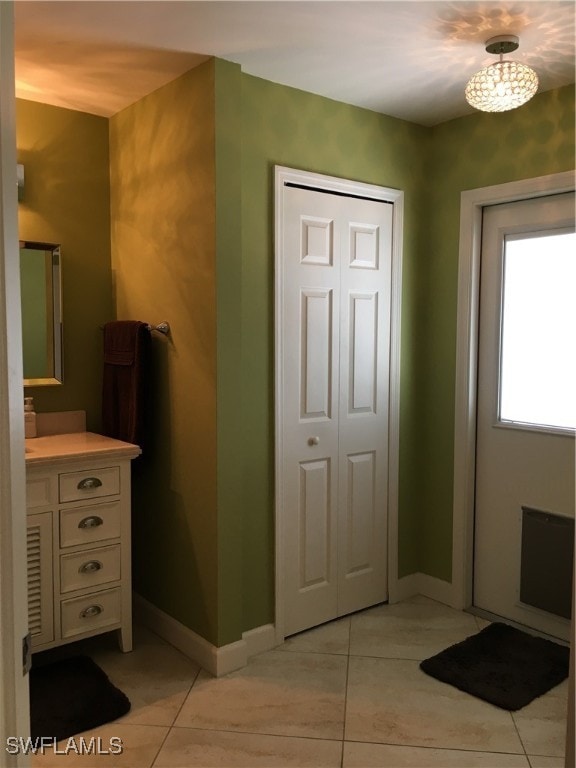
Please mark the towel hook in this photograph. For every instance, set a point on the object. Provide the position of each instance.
(163, 327)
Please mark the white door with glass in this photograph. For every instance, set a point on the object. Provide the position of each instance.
(335, 339)
(526, 417)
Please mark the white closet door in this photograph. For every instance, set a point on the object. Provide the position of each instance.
(365, 272)
(335, 340)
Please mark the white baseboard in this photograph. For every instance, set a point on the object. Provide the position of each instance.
(402, 589)
(216, 661)
(260, 639)
(423, 584)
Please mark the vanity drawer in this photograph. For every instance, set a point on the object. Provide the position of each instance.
(38, 492)
(87, 525)
(91, 612)
(89, 484)
(89, 568)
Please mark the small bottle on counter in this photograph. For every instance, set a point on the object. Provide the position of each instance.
(29, 417)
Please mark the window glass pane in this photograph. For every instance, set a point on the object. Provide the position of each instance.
(538, 360)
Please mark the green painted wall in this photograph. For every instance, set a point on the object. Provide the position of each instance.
(231, 440)
(289, 127)
(67, 201)
(164, 267)
(471, 152)
(192, 196)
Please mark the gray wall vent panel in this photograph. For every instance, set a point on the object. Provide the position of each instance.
(547, 561)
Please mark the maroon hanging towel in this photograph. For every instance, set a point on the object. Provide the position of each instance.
(126, 353)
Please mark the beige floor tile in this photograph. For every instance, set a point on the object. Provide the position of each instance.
(140, 745)
(394, 702)
(155, 677)
(190, 748)
(333, 637)
(538, 761)
(278, 693)
(386, 756)
(542, 724)
(415, 629)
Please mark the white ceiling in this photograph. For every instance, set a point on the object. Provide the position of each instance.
(407, 59)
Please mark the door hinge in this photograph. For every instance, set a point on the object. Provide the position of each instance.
(26, 653)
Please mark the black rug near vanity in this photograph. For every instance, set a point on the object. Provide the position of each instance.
(71, 696)
(502, 665)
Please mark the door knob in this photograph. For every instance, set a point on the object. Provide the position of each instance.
(313, 440)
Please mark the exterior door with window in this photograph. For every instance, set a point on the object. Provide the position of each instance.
(524, 507)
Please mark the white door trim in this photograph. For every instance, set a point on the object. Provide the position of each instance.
(396, 197)
(14, 707)
(471, 204)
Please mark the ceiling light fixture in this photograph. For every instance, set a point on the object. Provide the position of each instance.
(504, 85)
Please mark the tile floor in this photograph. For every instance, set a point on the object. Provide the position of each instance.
(349, 693)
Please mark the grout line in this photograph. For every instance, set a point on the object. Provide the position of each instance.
(520, 737)
(346, 693)
(435, 747)
(316, 653)
(254, 733)
(192, 684)
(361, 655)
(160, 748)
(174, 719)
(389, 658)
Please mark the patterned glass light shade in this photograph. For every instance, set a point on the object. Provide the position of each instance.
(502, 86)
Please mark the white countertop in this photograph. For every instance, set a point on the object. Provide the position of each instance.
(77, 446)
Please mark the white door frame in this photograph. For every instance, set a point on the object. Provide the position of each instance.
(471, 204)
(14, 707)
(396, 197)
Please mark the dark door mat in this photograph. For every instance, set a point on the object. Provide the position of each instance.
(502, 665)
(71, 696)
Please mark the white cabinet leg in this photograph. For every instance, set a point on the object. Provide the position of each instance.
(125, 638)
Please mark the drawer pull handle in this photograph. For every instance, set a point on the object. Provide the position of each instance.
(92, 610)
(91, 566)
(89, 483)
(90, 522)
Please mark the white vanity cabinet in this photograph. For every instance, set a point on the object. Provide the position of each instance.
(78, 514)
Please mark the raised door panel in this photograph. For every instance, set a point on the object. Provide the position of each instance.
(314, 524)
(40, 492)
(363, 359)
(316, 383)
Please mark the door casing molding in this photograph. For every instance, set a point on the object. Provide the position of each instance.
(14, 696)
(396, 197)
(471, 204)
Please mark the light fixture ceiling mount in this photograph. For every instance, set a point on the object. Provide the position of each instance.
(502, 44)
(504, 85)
